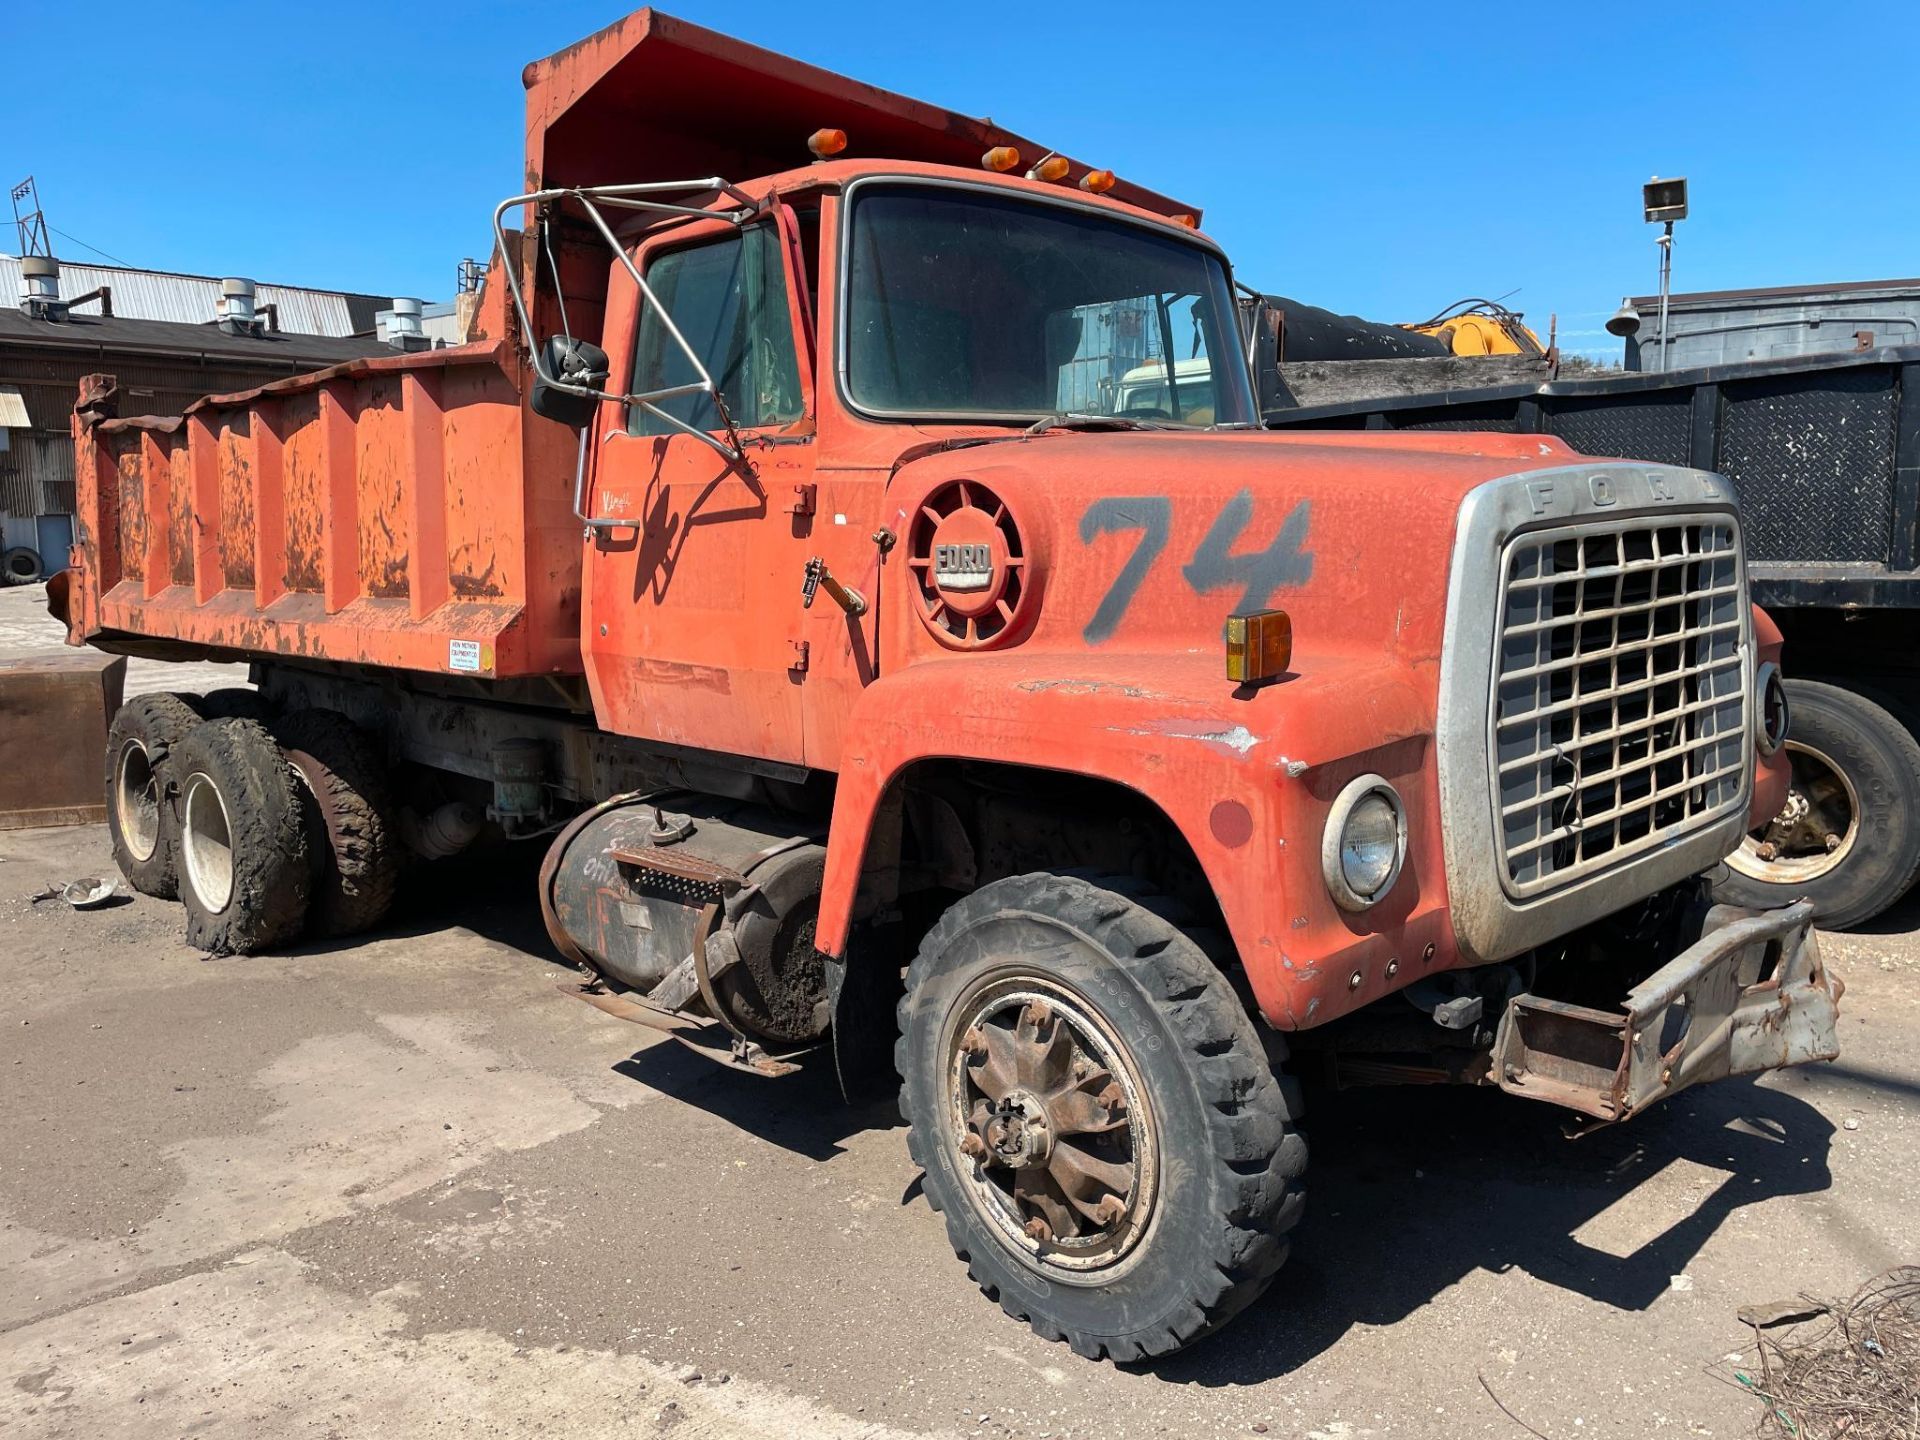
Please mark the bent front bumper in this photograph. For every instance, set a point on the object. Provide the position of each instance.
(1750, 994)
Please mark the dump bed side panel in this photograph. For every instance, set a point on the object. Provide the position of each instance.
(405, 512)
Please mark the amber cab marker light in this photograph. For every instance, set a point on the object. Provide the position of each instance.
(1259, 646)
(1097, 182)
(1001, 157)
(1185, 219)
(1050, 169)
(827, 143)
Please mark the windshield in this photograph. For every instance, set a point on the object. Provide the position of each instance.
(968, 305)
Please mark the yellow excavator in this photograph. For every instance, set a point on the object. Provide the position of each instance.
(1480, 327)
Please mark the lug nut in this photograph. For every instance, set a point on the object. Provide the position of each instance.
(973, 1147)
(1833, 842)
(1109, 1210)
(1037, 1013)
(1038, 1229)
(974, 1042)
(1768, 851)
(1113, 1097)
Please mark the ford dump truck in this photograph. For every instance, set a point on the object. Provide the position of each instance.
(797, 555)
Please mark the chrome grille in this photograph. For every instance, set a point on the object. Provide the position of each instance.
(1619, 704)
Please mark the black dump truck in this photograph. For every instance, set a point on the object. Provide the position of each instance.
(1824, 453)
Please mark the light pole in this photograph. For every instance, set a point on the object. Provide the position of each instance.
(1663, 202)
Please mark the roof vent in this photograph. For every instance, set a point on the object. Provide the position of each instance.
(404, 330)
(40, 287)
(237, 313)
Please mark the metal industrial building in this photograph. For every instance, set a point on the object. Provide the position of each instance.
(1726, 327)
(169, 339)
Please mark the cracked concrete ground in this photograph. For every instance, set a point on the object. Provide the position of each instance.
(405, 1187)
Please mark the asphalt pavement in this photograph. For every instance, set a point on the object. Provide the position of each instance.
(405, 1187)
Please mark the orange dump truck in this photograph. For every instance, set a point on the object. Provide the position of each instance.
(880, 672)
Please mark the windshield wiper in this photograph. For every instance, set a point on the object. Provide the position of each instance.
(1079, 420)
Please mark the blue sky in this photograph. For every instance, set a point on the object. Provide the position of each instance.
(1380, 158)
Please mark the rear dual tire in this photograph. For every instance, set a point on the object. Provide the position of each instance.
(245, 868)
(142, 790)
(353, 834)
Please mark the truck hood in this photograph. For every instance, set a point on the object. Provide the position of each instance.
(1143, 542)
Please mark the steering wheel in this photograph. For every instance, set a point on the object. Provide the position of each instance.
(1145, 412)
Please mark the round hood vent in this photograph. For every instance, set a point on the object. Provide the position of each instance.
(970, 567)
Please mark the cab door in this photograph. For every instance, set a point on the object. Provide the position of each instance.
(693, 612)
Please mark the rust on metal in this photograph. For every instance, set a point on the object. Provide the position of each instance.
(360, 514)
(680, 865)
(1751, 994)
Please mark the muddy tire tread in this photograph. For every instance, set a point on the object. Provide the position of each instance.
(1253, 1147)
(359, 851)
(272, 878)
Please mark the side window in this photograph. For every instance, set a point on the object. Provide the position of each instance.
(729, 299)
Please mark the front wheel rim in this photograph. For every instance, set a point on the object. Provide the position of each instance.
(136, 801)
(206, 843)
(1816, 831)
(1054, 1134)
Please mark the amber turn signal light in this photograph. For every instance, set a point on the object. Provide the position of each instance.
(1185, 219)
(1097, 182)
(1000, 157)
(825, 144)
(1259, 646)
(1053, 168)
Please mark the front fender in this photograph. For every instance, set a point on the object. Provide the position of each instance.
(1772, 774)
(1246, 777)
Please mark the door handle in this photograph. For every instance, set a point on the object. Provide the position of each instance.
(819, 577)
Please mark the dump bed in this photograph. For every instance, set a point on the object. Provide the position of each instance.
(408, 512)
(413, 512)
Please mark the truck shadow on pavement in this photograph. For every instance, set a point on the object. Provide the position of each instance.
(1411, 1191)
(804, 1113)
(487, 893)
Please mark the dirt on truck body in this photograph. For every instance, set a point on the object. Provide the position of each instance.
(799, 555)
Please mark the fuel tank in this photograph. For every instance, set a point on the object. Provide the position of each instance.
(699, 906)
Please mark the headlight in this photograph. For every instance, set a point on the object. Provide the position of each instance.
(1365, 842)
(1771, 719)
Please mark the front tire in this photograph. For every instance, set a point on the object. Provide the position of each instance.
(1116, 1160)
(1849, 839)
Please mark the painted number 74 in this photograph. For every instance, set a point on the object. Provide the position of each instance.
(1215, 564)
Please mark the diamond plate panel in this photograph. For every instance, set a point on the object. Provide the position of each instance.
(1497, 415)
(1812, 464)
(1656, 428)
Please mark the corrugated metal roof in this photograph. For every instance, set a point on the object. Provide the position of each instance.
(195, 299)
(83, 330)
